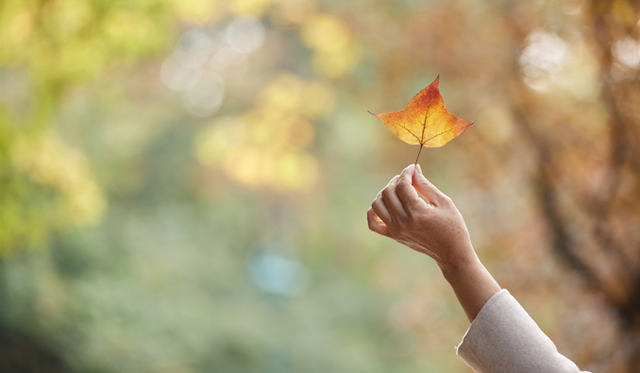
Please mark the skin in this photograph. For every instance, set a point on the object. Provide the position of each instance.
(434, 227)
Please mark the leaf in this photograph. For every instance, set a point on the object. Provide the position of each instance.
(425, 121)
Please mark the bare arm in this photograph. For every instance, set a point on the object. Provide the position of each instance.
(435, 228)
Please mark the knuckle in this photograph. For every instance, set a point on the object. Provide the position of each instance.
(377, 199)
(403, 186)
(387, 192)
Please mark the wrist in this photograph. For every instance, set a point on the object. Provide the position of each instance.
(472, 283)
(465, 263)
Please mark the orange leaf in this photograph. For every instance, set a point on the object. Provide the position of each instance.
(425, 121)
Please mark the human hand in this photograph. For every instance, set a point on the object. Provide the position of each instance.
(434, 227)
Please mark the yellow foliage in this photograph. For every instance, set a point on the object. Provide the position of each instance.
(254, 8)
(128, 29)
(317, 99)
(261, 132)
(215, 141)
(294, 171)
(287, 92)
(246, 166)
(79, 59)
(63, 19)
(265, 147)
(198, 10)
(283, 93)
(336, 63)
(336, 51)
(281, 171)
(49, 162)
(20, 26)
(325, 33)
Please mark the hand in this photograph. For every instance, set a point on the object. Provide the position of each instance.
(434, 227)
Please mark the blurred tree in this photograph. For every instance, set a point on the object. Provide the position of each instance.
(587, 183)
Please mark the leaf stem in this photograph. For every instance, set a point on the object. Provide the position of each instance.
(419, 151)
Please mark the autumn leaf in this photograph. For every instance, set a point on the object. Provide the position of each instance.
(425, 121)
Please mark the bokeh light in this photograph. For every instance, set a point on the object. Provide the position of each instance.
(177, 77)
(627, 52)
(205, 97)
(273, 273)
(192, 49)
(542, 58)
(245, 34)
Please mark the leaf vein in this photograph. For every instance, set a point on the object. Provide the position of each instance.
(424, 124)
(406, 129)
(441, 133)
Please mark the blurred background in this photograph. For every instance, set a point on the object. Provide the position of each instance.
(183, 183)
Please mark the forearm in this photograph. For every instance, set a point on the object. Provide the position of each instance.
(471, 282)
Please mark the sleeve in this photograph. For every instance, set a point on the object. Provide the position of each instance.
(504, 338)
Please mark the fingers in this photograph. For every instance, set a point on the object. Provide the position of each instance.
(392, 201)
(380, 209)
(426, 189)
(379, 206)
(406, 192)
(375, 224)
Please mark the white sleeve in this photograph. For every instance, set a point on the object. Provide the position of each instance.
(504, 338)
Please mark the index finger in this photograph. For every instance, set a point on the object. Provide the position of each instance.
(406, 192)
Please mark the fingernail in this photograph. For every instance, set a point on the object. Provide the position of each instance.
(419, 169)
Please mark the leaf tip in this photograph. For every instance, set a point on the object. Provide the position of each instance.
(437, 81)
(374, 114)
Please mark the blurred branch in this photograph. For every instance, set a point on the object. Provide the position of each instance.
(563, 243)
(609, 266)
(623, 155)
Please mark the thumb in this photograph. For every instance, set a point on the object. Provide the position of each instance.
(425, 188)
